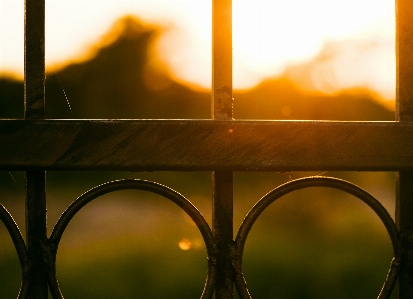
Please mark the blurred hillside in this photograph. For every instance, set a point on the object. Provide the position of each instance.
(315, 243)
(123, 79)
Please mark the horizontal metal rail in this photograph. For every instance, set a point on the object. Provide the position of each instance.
(146, 145)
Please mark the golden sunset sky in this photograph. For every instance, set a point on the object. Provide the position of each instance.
(357, 38)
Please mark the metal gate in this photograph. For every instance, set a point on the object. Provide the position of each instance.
(221, 145)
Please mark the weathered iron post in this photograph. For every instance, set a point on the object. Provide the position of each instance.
(222, 209)
(34, 108)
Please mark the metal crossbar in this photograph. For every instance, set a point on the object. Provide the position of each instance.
(192, 145)
(221, 145)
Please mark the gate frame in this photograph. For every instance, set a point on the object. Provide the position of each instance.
(221, 145)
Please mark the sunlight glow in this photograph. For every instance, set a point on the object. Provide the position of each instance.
(293, 32)
(268, 38)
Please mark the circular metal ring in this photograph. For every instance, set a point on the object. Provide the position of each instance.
(136, 184)
(318, 181)
(19, 245)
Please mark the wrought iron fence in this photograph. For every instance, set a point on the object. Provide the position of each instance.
(221, 145)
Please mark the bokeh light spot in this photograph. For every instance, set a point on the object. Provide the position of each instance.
(185, 244)
(286, 111)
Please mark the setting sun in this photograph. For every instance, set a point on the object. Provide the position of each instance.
(269, 38)
(271, 35)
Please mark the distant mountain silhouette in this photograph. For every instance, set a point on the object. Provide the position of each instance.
(281, 99)
(119, 82)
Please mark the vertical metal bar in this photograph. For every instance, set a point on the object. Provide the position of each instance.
(404, 113)
(34, 59)
(222, 59)
(34, 107)
(222, 224)
(222, 210)
(36, 234)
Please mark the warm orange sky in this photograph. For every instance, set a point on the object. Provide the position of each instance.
(268, 36)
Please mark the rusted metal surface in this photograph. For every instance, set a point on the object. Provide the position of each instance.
(34, 108)
(222, 59)
(318, 181)
(205, 145)
(222, 181)
(404, 114)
